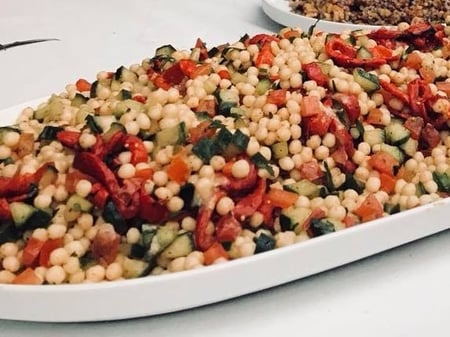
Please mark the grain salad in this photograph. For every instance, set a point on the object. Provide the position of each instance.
(196, 157)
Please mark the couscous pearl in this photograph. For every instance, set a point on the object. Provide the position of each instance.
(188, 223)
(6, 276)
(87, 140)
(56, 231)
(55, 275)
(83, 188)
(11, 139)
(95, 273)
(8, 249)
(133, 235)
(72, 265)
(58, 256)
(175, 204)
(75, 248)
(40, 234)
(240, 169)
(225, 205)
(11, 263)
(114, 271)
(126, 171)
(160, 178)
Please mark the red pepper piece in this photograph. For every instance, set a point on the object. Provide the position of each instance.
(69, 138)
(265, 55)
(315, 73)
(151, 210)
(343, 137)
(395, 91)
(311, 170)
(105, 245)
(262, 39)
(92, 165)
(174, 74)
(266, 209)
(414, 125)
(137, 149)
(430, 136)
(5, 212)
(31, 252)
(317, 124)
(317, 213)
(350, 105)
(203, 238)
(100, 195)
(227, 229)
(419, 92)
(127, 199)
(240, 184)
(385, 34)
(49, 246)
(203, 51)
(250, 203)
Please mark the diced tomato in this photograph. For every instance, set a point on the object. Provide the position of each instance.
(310, 106)
(178, 169)
(266, 209)
(277, 97)
(31, 252)
(83, 85)
(265, 56)
(214, 252)
(350, 105)
(350, 220)
(161, 83)
(387, 183)
(140, 98)
(5, 212)
(311, 170)
(105, 245)
(144, 174)
(413, 61)
(203, 51)
(375, 117)
(200, 131)
(28, 276)
(69, 138)
(228, 228)
(315, 73)
(427, 74)
(174, 74)
(370, 209)
(316, 213)
(318, 124)
(49, 246)
(281, 198)
(187, 66)
(151, 210)
(444, 86)
(203, 69)
(250, 203)
(431, 136)
(224, 74)
(383, 162)
(207, 105)
(101, 195)
(382, 52)
(263, 39)
(414, 125)
(137, 148)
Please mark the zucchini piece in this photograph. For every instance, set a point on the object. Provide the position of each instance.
(147, 234)
(166, 50)
(205, 149)
(92, 124)
(75, 206)
(391, 208)
(39, 219)
(280, 150)
(240, 140)
(133, 268)
(163, 237)
(396, 152)
(125, 75)
(368, 81)
(396, 134)
(8, 232)
(111, 214)
(123, 94)
(293, 218)
(223, 139)
(262, 163)
(320, 227)
(304, 187)
(21, 212)
(443, 181)
(182, 245)
(410, 146)
(373, 137)
(263, 86)
(93, 91)
(227, 99)
(79, 100)
(264, 243)
(363, 53)
(171, 136)
(49, 133)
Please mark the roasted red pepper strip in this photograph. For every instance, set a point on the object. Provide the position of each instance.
(266, 209)
(151, 210)
(203, 238)
(315, 73)
(394, 91)
(69, 138)
(262, 39)
(250, 203)
(5, 212)
(344, 55)
(239, 184)
(137, 148)
(350, 105)
(92, 165)
(419, 92)
(127, 199)
(227, 228)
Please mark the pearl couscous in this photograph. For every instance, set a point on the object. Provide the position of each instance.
(196, 157)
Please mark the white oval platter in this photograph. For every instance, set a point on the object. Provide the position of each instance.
(154, 295)
(279, 11)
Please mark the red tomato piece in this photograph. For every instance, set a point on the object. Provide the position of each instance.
(315, 73)
(370, 209)
(227, 229)
(105, 245)
(383, 162)
(311, 171)
(28, 276)
(49, 246)
(31, 252)
(277, 97)
(137, 148)
(415, 126)
(214, 252)
(83, 85)
(250, 203)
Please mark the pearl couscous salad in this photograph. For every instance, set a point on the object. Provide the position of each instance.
(196, 157)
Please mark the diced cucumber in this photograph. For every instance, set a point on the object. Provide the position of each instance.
(396, 134)
(391, 208)
(133, 268)
(166, 50)
(147, 234)
(111, 214)
(49, 132)
(227, 99)
(93, 90)
(293, 218)
(182, 245)
(394, 151)
(320, 227)
(93, 125)
(262, 163)
(368, 81)
(304, 187)
(165, 235)
(123, 95)
(280, 150)
(443, 181)
(75, 206)
(171, 136)
(264, 242)
(39, 219)
(363, 53)
(8, 232)
(262, 86)
(410, 146)
(21, 212)
(79, 100)
(125, 75)
(325, 67)
(374, 136)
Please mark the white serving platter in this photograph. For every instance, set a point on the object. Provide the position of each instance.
(161, 294)
(279, 11)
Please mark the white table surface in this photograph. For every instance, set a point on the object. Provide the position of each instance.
(402, 292)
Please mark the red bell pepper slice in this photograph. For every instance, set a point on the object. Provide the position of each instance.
(419, 92)
(49, 246)
(174, 74)
(317, 125)
(202, 47)
(250, 203)
(227, 229)
(262, 39)
(395, 91)
(266, 209)
(430, 136)
(31, 251)
(415, 125)
(350, 105)
(187, 66)
(151, 210)
(69, 138)
(315, 73)
(383, 162)
(204, 239)
(265, 56)
(277, 97)
(370, 209)
(137, 148)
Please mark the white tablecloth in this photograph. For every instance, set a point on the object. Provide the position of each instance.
(403, 292)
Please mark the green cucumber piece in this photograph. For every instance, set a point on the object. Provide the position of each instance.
(396, 152)
(368, 81)
(171, 136)
(304, 187)
(21, 212)
(374, 136)
(396, 134)
(293, 218)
